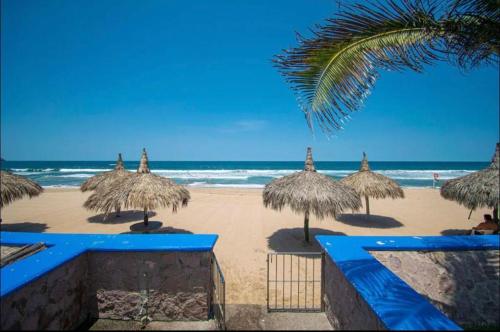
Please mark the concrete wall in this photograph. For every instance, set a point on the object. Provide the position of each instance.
(117, 285)
(55, 301)
(344, 308)
(462, 284)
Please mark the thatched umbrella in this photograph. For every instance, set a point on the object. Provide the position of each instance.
(142, 190)
(370, 184)
(106, 178)
(478, 189)
(310, 192)
(15, 187)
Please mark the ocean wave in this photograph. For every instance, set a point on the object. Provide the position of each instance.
(76, 170)
(60, 186)
(31, 171)
(245, 174)
(235, 178)
(231, 185)
(75, 176)
(197, 184)
(424, 174)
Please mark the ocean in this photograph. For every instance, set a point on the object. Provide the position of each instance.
(238, 174)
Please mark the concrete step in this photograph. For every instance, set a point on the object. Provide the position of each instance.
(256, 317)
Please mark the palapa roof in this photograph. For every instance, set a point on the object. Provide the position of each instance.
(15, 187)
(371, 184)
(477, 189)
(310, 191)
(106, 177)
(141, 190)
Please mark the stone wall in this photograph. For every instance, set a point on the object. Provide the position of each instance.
(55, 301)
(464, 285)
(115, 285)
(166, 286)
(344, 307)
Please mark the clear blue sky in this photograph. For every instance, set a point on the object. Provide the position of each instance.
(193, 80)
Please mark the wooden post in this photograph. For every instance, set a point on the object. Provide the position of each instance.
(367, 203)
(306, 226)
(146, 219)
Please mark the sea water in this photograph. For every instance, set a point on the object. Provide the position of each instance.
(239, 174)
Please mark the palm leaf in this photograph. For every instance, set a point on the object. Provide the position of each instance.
(335, 71)
(473, 32)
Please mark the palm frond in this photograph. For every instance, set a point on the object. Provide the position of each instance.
(334, 71)
(472, 33)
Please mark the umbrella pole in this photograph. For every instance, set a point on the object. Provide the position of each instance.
(118, 211)
(306, 226)
(146, 219)
(367, 203)
(495, 214)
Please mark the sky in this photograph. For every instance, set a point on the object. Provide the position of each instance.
(193, 80)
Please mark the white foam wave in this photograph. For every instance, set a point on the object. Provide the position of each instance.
(60, 186)
(32, 171)
(219, 185)
(76, 176)
(423, 174)
(76, 170)
(244, 174)
(27, 173)
(197, 184)
(199, 175)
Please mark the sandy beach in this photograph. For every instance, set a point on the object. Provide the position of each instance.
(247, 230)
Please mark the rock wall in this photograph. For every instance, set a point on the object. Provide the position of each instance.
(464, 285)
(55, 301)
(115, 285)
(344, 308)
(167, 286)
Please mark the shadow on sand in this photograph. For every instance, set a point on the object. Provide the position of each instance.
(125, 216)
(369, 221)
(292, 240)
(456, 232)
(27, 226)
(154, 227)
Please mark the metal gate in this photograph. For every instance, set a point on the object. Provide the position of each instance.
(295, 281)
(218, 301)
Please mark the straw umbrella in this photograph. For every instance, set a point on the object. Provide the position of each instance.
(479, 189)
(370, 184)
(310, 192)
(15, 187)
(142, 190)
(106, 178)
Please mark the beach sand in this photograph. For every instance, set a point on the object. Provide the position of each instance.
(247, 230)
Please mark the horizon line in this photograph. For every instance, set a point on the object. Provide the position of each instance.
(264, 161)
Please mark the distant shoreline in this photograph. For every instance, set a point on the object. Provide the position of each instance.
(253, 175)
(75, 188)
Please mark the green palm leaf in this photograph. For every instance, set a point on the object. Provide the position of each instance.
(334, 71)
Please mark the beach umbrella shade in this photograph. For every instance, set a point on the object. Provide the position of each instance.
(371, 184)
(106, 178)
(15, 187)
(142, 190)
(478, 189)
(310, 192)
